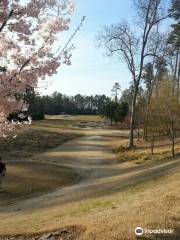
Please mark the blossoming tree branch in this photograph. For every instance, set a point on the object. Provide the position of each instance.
(30, 49)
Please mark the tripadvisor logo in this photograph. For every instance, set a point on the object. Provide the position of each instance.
(139, 231)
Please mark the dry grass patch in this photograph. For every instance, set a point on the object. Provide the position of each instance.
(65, 233)
(32, 142)
(153, 204)
(142, 156)
(76, 117)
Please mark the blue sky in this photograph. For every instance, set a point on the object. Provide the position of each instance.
(91, 71)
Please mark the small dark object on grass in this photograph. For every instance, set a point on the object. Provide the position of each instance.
(2, 172)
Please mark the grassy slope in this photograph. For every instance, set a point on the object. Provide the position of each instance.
(154, 204)
(29, 179)
(32, 142)
(150, 204)
(22, 179)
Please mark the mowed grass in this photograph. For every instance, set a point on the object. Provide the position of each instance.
(26, 179)
(71, 123)
(89, 118)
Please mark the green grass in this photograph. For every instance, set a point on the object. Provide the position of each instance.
(96, 205)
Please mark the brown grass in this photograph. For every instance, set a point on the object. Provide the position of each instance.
(75, 118)
(154, 204)
(151, 204)
(32, 142)
(143, 155)
(28, 179)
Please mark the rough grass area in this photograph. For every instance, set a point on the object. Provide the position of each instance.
(152, 205)
(65, 233)
(143, 155)
(32, 142)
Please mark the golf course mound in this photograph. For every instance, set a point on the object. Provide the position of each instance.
(27, 179)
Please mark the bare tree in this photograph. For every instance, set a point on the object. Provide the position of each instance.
(165, 113)
(174, 43)
(154, 71)
(134, 48)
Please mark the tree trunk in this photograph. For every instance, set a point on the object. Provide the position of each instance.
(175, 75)
(111, 121)
(152, 145)
(172, 136)
(132, 121)
(138, 132)
(146, 121)
(178, 78)
(173, 147)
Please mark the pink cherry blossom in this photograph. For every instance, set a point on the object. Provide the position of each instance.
(29, 38)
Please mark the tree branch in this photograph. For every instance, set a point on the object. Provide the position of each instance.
(6, 20)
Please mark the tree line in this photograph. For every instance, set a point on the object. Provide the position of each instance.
(58, 103)
(112, 109)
